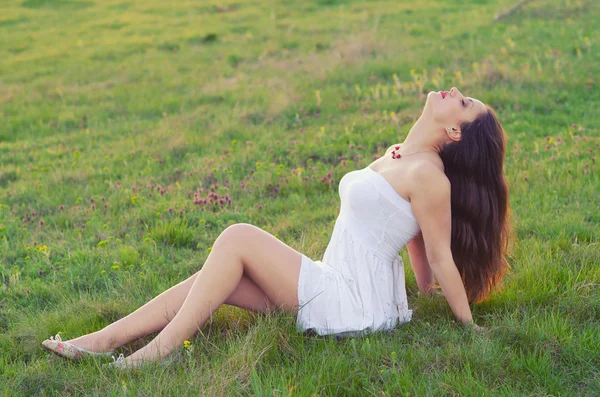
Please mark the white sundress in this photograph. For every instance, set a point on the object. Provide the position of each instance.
(358, 287)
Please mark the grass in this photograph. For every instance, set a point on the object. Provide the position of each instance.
(115, 113)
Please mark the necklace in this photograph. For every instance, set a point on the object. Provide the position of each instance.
(397, 156)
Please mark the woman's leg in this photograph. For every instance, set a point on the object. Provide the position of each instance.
(240, 249)
(157, 313)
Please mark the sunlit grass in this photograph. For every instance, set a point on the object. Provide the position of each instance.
(133, 133)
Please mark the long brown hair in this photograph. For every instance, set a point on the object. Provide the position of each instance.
(479, 204)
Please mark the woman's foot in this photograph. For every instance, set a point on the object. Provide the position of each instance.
(85, 346)
(94, 342)
(128, 363)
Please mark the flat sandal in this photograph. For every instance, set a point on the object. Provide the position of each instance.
(67, 350)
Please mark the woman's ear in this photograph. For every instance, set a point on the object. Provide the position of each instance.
(454, 133)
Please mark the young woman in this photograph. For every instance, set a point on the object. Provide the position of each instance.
(442, 193)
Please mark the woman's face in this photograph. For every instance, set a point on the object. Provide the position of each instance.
(452, 108)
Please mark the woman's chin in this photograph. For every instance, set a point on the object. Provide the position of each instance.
(432, 94)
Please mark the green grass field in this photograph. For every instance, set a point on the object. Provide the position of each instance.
(115, 113)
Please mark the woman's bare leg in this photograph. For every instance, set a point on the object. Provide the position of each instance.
(270, 263)
(157, 313)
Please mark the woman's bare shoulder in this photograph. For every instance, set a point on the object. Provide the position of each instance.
(427, 166)
(428, 175)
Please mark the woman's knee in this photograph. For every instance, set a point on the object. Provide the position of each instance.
(235, 236)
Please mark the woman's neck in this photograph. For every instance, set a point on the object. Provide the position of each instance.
(422, 137)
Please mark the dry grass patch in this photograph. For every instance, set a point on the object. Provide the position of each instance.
(345, 51)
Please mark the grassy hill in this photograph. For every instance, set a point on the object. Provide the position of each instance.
(114, 113)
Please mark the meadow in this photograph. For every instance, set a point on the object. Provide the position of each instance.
(132, 133)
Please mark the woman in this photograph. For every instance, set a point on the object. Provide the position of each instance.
(442, 193)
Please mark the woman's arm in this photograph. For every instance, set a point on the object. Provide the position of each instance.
(420, 265)
(430, 202)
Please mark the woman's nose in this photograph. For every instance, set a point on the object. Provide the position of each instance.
(454, 91)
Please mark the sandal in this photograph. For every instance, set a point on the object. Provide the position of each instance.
(120, 362)
(68, 350)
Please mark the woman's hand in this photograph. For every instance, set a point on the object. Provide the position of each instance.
(478, 328)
